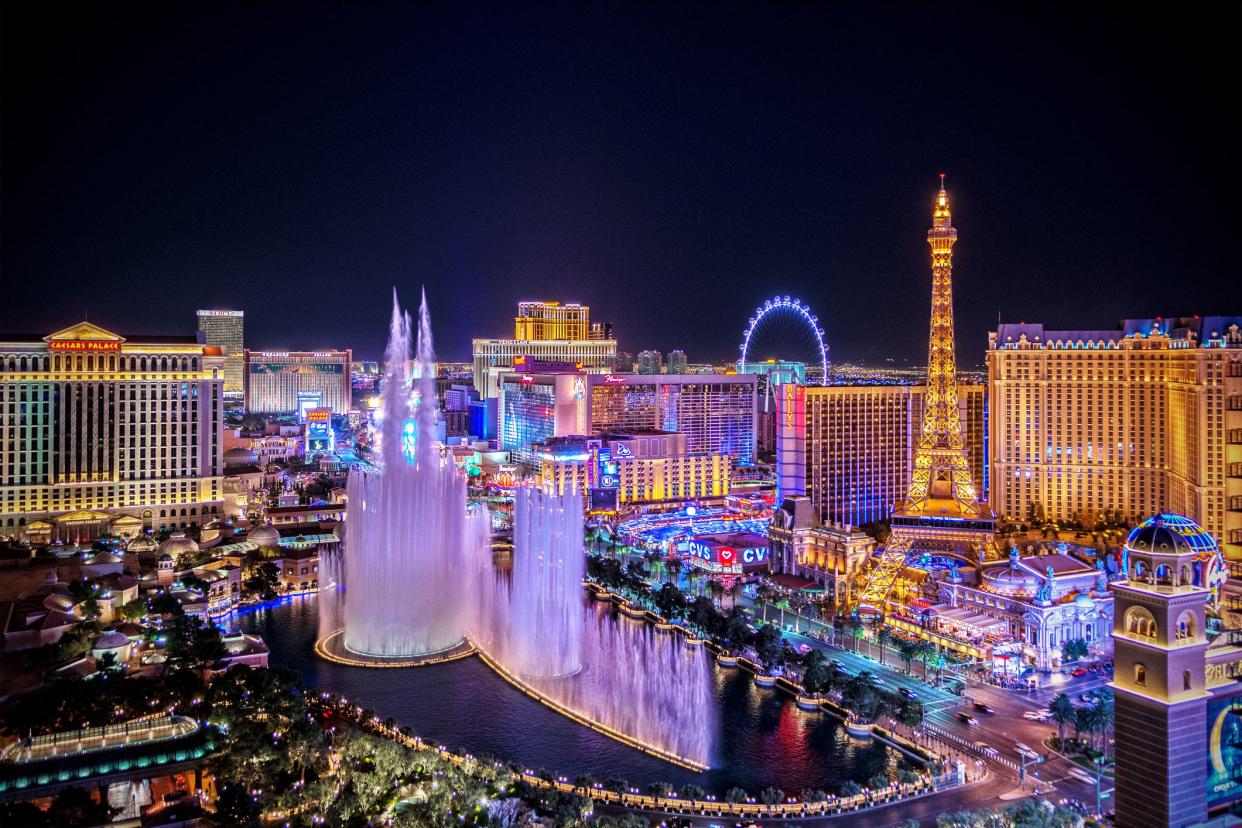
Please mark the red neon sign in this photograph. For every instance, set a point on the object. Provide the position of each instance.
(84, 345)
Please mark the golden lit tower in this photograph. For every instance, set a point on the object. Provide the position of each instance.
(941, 469)
(941, 512)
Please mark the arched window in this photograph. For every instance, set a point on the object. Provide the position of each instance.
(1186, 627)
(1140, 675)
(1140, 623)
(1186, 680)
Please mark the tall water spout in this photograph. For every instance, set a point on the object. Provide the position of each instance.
(544, 629)
(406, 535)
(622, 674)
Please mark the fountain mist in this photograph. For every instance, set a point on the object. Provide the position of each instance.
(408, 538)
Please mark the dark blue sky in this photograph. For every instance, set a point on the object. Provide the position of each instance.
(669, 167)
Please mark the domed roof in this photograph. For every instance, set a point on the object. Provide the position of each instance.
(142, 543)
(1167, 534)
(178, 544)
(104, 557)
(265, 536)
(164, 556)
(109, 640)
(1010, 578)
(239, 456)
(1083, 600)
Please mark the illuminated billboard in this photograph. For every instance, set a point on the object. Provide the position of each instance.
(1224, 759)
(319, 434)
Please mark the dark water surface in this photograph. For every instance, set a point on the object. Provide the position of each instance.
(765, 740)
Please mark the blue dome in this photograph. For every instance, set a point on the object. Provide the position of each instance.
(1166, 534)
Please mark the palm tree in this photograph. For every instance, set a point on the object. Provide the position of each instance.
(838, 630)
(674, 569)
(885, 638)
(734, 588)
(856, 629)
(1063, 713)
(923, 652)
(716, 589)
(907, 649)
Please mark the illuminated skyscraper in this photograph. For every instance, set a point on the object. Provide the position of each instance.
(547, 336)
(292, 382)
(716, 413)
(226, 328)
(1120, 423)
(107, 434)
(941, 511)
(677, 363)
(552, 320)
(851, 448)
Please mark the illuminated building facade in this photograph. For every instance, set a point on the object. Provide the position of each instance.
(495, 357)
(99, 428)
(716, 413)
(677, 363)
(1132, 420)
(651, 468)
(227, 329)
(552, 320)
(851, 448)
(290, 382)
(536, 407)
(831, 555)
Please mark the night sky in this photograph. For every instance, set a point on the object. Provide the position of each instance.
(671, 168)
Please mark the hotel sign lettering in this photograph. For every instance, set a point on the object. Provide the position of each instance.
(84, 345)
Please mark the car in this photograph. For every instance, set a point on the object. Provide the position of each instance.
(967, 719)
(1078, 671)
(1037, 715)
(804, 648)
(980, 707)
(907, 692)
(838, 665)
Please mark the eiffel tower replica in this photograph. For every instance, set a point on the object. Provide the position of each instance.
(941, 514)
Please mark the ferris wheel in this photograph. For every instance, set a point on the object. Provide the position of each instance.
(784, 330)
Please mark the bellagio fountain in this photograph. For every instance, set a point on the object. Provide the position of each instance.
(415, 585)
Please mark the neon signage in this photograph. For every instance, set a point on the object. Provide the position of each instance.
(84, 345)
(614, 379)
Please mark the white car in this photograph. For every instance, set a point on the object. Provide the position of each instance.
(1037, 715)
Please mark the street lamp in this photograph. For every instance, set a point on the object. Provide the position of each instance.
(1101, 764)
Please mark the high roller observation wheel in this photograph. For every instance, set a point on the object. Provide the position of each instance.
(779, 303)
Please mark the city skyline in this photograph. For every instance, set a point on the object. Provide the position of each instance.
(739, 180)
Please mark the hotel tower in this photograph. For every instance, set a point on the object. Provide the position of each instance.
(1121, 423)
(106, 434)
